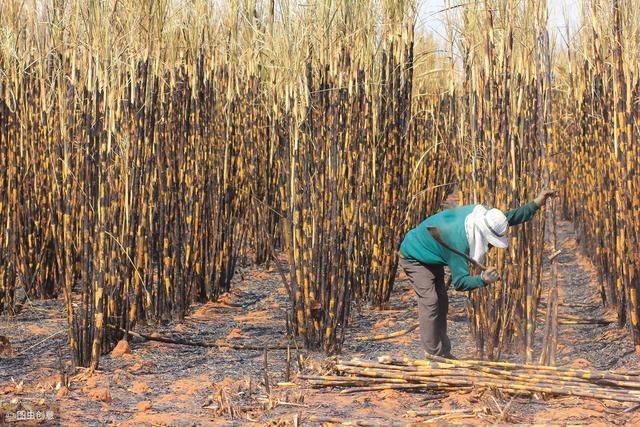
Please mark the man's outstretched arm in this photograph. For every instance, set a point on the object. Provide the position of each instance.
(525, 213)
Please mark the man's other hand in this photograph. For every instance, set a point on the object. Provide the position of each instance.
(490, 275)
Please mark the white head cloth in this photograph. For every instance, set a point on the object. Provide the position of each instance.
(478, 244)
(484, 227)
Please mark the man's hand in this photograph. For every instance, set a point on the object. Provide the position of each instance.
(544, 194)
(490, 275)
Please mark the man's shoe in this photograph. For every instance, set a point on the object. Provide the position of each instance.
(444, 356)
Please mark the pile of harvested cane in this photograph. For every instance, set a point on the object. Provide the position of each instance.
(439, 374)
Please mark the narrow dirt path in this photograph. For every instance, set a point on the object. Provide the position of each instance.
(597, 346)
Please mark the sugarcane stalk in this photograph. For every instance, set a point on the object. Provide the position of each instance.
(435, 412)
(390, 335)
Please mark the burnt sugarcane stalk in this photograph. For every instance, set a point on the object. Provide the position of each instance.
(391, 335)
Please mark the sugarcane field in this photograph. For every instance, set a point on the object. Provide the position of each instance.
(319, 212)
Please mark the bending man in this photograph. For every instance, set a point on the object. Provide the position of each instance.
(471, 229)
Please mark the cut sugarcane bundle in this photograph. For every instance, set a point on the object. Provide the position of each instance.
(442, 374)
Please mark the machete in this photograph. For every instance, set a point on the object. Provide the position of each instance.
(435, 233)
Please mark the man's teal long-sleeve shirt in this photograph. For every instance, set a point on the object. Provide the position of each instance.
(419, 245)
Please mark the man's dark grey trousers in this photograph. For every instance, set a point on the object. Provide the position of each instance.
(433, 304)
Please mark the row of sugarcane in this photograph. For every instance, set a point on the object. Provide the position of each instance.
(598, 122)
(500, 141)
(124, 189)
(127, 230)
(445, 375)
(350, 193)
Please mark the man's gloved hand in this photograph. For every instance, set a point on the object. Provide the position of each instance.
(490, 275)
(544, 195)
